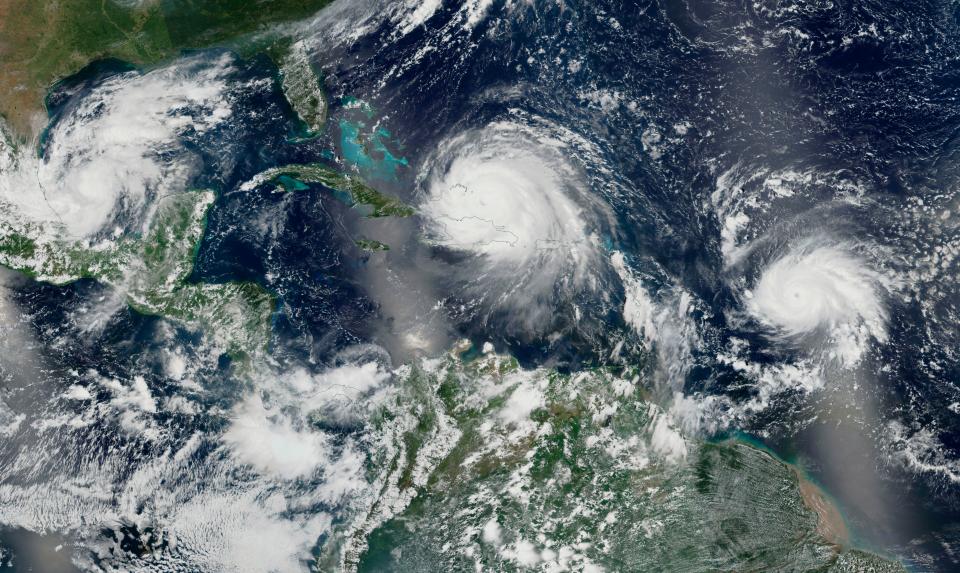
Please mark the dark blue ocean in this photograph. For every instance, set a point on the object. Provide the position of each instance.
(859, 101)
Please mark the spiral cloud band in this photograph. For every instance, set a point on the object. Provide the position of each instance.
(822, 289)
(509, 196)
(506, 197)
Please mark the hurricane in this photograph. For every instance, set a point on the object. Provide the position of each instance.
(364, 286)
(822, 289)
(512, 199)
(98, 175)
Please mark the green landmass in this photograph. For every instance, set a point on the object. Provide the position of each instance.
(371, 245)
(42, 42)
(152, 272)
(358, 192)
(482, 465)
(301, 85)
(236, 313)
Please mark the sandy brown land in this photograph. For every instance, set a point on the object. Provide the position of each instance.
(831, 525)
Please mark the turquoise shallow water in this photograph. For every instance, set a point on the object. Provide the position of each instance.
(700, 145)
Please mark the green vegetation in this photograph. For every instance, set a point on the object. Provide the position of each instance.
(23, 248)
(357, 191)
(43, 42)
(371, 245)
(236, 314)
(529, 466)
(301, 86)
(17, 246)
(152, 271)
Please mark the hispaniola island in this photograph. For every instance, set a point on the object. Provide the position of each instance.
(443, 286)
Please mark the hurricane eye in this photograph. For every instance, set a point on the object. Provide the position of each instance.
(830, 288)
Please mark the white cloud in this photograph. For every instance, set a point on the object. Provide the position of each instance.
(491, 532)
(512, 195)
(245, 532)
(267, 441)
(119, 148)
(524, 399)
(822, 287)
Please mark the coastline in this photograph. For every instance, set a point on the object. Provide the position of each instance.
(830, 523)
